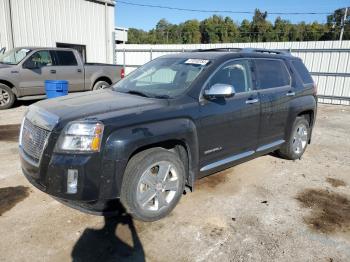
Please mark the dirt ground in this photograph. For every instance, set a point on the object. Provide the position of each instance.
(268, 209)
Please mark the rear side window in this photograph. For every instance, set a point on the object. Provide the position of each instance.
(65, 58)
(302, 71)
(271, 73)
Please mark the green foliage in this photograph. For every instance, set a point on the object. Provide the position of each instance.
(219, 29)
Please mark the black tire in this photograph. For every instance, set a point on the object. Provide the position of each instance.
(288, 150)
(131, 186)
(7, 97)
(101, 85)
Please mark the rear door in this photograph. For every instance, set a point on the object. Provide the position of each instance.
(66, 66)
(229, 127)
(275, 92)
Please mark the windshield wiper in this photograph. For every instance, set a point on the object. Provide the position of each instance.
(135, 92)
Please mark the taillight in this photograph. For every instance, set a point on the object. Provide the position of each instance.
(122, 73)
(315, 89)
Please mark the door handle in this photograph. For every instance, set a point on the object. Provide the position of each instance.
(252, 101)
(79, 70)
(53, 71)
(290, 94)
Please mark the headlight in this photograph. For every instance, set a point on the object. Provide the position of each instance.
(81, 136)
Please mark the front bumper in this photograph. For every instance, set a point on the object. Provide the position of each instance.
(96, 184)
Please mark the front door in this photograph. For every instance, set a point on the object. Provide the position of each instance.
(229, 126)
(35, 70)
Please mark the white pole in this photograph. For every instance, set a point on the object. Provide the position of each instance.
(343, 24)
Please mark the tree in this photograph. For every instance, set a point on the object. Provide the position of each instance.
(190, 32)
(218, 29)
(261, 28)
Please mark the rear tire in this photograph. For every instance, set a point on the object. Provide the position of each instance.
(297, 143)
(7, 97)
(153, 184)
(101, 85)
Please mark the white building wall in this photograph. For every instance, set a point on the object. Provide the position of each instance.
(46, 22)
(4, 25)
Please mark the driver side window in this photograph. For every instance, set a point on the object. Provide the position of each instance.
(40, 59)
(236, 74)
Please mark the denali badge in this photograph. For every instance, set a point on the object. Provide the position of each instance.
(212, 150)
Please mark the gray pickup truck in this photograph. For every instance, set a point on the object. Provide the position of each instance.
(24, 70)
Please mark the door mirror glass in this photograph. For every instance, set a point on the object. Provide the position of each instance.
(220, 90)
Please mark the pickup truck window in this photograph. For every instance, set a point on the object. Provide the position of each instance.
(162, 77)
(65, 58)
(39, 59)
(236, 74)
(271, 73)
(14, 56)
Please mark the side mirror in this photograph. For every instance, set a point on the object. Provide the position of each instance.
(3, 50)
(220, 90)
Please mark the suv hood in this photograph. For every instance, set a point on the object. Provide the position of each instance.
(90, 105)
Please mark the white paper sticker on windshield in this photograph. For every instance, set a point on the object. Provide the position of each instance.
(197, 61)
(25, 50)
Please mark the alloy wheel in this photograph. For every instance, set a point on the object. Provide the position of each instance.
(157, 186)
(4, 97)
(300, 137)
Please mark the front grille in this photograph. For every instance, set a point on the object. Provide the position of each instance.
(33, 139)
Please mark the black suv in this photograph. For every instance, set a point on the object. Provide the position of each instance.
(174, 120)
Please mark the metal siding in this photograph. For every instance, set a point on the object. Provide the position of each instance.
(46, 22)
(4, 41)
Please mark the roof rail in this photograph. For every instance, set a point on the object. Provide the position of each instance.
(246, 50)
(220, 49)
(269, 51)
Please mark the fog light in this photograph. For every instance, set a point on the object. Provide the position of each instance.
(72, 181)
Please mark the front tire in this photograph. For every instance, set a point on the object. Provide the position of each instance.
(297, 143)
(153, 184)
(7, 97)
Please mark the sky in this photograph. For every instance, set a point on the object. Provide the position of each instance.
(146, 18)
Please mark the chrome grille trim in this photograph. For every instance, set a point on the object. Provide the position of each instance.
(33, 140)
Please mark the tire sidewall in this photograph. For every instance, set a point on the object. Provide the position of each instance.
(12, 97)
(134, 173)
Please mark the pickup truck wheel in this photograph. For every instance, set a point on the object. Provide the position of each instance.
(153, 184)
(7, 98)
(295, 147)
(101, 85)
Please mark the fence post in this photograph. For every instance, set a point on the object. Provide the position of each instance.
(151, 54)
(124, 58)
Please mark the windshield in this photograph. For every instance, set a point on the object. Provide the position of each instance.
(162, 77)
(14, 56)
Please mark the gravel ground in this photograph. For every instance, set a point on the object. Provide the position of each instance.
(268, 209)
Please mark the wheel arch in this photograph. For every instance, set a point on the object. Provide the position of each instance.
(176, 135)
(102, 78)
(10, 85)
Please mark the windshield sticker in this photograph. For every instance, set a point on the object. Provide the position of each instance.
(197, 61)
(25, 50)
